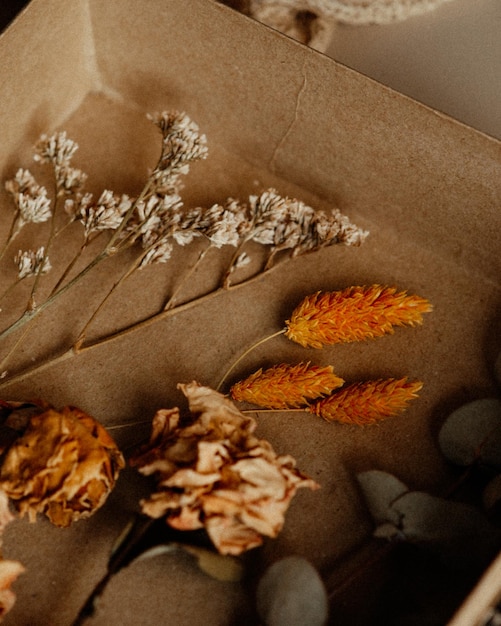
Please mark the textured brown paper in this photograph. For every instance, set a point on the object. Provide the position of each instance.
(275, 114)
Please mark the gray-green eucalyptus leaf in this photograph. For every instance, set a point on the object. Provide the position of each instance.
(380, 490)
(472, 433)
(291, 593)
(491, 496)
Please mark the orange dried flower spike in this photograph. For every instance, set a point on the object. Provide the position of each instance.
(367, 402)
(286, 386)
(353, 314)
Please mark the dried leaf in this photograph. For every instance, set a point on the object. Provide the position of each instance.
(216, 474)
(367, 402)
(286, 386)
(64, 465)
(354, 314)
(472, 433)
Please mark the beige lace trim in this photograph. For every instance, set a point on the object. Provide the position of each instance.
(312, 21)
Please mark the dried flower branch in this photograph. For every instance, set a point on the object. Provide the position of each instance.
(154, 222)
(286, 386)
(353, 314)
(367, 403)
(216, 474)
(63, 464)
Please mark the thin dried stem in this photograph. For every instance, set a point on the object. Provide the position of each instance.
(14, 347)
(32, 300)
(77, 348)
(132, 268)
(246, 352)
(71, 265)
(10, 288)
(11, 236)
(225, 283)
(172, 298)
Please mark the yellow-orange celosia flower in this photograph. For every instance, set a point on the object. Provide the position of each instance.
(64, 464)
(367, 402)
(286, 386)
(353, 314)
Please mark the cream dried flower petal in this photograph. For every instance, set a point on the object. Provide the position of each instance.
(231, 537)
(5, 513)
(9, 571)
(226, 479)
(64, 465)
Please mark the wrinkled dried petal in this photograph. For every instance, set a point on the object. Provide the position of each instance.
(9, 571)
(231, 483)
(368, 402)
(286, 386)
(353, 314)
(5, 514)
(64, 465)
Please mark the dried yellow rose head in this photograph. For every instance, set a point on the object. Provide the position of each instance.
(216, 474)
(64, 464)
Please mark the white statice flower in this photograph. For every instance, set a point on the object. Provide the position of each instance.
(23, 182)
(34, 209)
(182, 144)
(31, 200)
(158, 253)
(57, 149)
(191, 225)
(32, 262)
(70, 179)
(242, 261)
(327, 229)
(267, 212)
(226, 224)
(157, 216)
(348, 233)
(295, 226)
(105, 214)
(289, 224)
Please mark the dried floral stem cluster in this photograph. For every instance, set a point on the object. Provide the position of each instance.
(353, 314)
(211, 471)
(154, 222)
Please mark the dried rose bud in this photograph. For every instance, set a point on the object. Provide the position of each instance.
(64, 464)
(216, 474)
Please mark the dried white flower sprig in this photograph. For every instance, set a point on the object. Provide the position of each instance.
(31, 262)
(152, 224)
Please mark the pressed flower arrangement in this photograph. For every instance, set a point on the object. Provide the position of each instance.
(211, 471)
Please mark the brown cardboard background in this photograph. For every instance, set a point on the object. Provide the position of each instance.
(275, 114)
